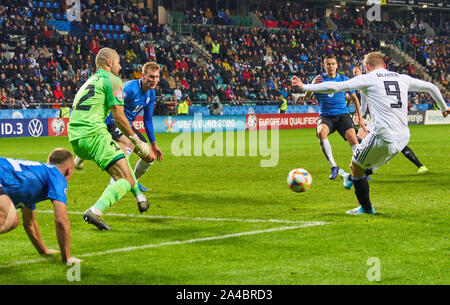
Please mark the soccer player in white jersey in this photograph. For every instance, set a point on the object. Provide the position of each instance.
(407, 151)
(387, 96)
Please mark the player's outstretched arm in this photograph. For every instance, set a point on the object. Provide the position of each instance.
(31, 226)
(423, 86)
(355, 83)
(62, 226)
(316, 80)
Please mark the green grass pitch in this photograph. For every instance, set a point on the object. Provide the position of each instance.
(226, 220)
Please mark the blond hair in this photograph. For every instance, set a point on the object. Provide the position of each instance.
(150, 66)
(103, 55)
(374, 59)
(58, 156)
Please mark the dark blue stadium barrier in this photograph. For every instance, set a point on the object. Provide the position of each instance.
(23, 128)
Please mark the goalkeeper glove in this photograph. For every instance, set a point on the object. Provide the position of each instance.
(142, 148)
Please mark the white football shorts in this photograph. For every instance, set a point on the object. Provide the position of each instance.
(374, 151)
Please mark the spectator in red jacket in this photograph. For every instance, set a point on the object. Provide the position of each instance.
(185, 84)
(229, 92)
(58, 94)
(95, 45)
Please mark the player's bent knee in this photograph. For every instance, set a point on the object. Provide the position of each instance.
(9, 221)
(322, 132)
(150, 158)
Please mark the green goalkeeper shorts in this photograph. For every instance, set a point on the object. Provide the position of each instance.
(100, 148)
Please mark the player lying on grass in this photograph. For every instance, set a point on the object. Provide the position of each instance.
(23, 184)
(101, 94)
(334, 114)
(386, 93)
(139, 95)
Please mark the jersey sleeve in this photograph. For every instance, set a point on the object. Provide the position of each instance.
(345, 78)
(114, 91)
(356, 83)
(57, 188)
(423, 86)
(148, 119)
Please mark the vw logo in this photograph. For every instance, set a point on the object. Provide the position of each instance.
(35, 128)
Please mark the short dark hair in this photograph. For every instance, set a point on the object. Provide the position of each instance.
(58, 156)
(330, 57)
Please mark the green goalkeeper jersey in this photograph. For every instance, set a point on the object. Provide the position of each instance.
(92, 103)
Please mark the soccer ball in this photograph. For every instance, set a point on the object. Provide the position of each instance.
(299, 180)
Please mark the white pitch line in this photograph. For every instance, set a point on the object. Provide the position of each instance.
(178, 242)
(192, 218)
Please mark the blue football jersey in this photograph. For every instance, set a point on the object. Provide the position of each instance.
(332, 103)
(135, 101)
(30, 182)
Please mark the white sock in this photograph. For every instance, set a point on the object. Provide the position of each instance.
(95, 211)
(326, 148)
(141, 168)
(141, 198)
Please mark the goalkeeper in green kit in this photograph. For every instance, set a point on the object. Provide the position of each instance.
(101, 94)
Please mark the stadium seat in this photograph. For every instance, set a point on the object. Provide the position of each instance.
(115, 37)
(108, 35)
(48, 4)
(122, 36)
(65, 16)
(97, 27)
(91, 26)
(104, 27)
(118, 28)
(41, 4)
(55, 5)
(143, 30)
(58, 16)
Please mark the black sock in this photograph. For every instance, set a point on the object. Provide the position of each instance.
(411, 156)
(362, 192)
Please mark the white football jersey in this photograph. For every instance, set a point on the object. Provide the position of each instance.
(386, 93)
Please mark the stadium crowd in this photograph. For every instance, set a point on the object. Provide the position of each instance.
(40, 67)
